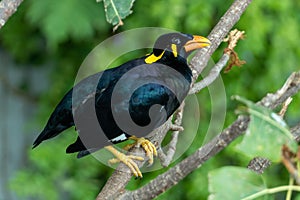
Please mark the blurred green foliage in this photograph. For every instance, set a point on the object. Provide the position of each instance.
(62, 33)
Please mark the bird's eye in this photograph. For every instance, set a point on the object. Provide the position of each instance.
(176, 41)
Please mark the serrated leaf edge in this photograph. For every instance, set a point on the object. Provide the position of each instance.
(120, 22)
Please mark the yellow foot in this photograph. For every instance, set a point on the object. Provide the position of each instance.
(126, 159)
(146, 145)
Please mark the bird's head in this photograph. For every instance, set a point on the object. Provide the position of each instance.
(178, 44)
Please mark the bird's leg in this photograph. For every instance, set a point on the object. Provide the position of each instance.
(146, 145)
(126, 159)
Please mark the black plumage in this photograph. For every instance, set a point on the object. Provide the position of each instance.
(131, 99)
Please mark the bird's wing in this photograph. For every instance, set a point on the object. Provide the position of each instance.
(74, 100)
(88, 88)
(145, 97)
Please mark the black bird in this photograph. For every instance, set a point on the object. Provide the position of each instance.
(127, 101)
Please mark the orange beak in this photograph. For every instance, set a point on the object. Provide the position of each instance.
(196, 43)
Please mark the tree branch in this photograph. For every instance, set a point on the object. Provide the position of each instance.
(119, 179)
(296, 132)
(211, 77)
(217, 35)
(7, 8)
(165, 159)
(182, 169)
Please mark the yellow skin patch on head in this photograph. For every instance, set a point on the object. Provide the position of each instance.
(174, 50)
(152, 58)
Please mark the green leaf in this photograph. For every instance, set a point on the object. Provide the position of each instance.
(266, 134)
(116, 10)
(233, 183)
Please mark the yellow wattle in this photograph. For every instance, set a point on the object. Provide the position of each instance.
(174, 50)
(152, 58)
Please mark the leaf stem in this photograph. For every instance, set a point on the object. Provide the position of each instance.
(289, 192)
(272, 191)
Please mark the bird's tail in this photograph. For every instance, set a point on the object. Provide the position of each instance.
(76, 146)
(79, 147)
(44, 135)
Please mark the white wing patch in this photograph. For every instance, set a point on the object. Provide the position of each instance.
(121, 137)
(161, 109)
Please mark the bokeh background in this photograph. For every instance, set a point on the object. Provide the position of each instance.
(44, 43)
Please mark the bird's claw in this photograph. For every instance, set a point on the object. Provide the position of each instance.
(128, 161)
(149, 148)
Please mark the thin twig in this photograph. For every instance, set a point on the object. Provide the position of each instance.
(285, 107)
(288, 160)
(166, 159)
(212, 76)
(296, 132)
(292, 84)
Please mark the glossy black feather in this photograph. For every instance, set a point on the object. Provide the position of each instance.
(93, 104)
